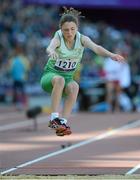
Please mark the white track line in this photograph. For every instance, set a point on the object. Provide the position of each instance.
(131, 171)
(82, 143)
(22, 124)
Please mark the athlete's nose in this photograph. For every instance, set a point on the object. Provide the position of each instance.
(70, 34)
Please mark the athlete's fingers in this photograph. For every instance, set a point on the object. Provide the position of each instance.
(119, 58)
(53, 55)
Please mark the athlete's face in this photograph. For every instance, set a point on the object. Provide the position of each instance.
(69, 30)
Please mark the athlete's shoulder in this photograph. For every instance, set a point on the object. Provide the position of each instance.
(79, 34)
(58, 32)
(84, 39)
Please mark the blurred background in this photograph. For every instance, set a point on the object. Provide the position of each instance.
(26, 28)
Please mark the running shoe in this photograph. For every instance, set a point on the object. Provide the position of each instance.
(57, 125)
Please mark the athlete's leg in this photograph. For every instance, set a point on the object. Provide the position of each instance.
(56, 123)
(58, 83)
(71, 91)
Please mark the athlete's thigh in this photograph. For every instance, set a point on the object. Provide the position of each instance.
(46, 81)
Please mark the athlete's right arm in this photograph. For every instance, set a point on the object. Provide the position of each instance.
(55, 42)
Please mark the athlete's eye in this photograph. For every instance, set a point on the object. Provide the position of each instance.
(66, 30)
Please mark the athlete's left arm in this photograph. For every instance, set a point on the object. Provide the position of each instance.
(88, 43)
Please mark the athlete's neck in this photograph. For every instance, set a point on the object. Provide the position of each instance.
(70, 43)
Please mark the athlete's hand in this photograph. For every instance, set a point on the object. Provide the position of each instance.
(52, 54)
(117, 57)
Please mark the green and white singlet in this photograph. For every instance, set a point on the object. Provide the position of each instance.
(65, 65)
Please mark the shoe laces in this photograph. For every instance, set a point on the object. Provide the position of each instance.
(57, 120)
(63, 120)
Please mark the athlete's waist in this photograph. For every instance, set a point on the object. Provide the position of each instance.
(58, 71)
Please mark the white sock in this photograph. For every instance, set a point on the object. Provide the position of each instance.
(54, 115)
(63, 121)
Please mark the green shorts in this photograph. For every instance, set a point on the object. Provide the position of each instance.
(46, 80)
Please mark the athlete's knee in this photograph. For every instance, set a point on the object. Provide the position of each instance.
(73, 89)
(59, 81)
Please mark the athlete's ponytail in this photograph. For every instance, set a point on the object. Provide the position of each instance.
(70, 15)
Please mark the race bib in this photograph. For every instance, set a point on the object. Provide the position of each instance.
(65, 64)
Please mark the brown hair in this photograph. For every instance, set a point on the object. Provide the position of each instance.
(70, 15)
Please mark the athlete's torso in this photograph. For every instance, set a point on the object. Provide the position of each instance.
(68, 59)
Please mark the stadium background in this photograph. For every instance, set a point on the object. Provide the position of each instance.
(29, 25)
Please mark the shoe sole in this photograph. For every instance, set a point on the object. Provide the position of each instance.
(63, 133)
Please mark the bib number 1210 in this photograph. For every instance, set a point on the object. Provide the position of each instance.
(66, 64)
